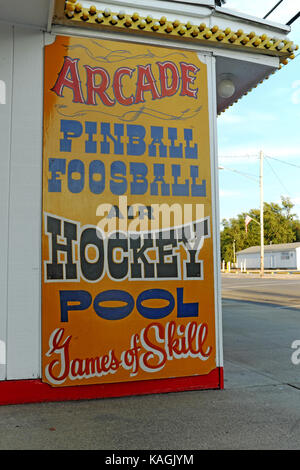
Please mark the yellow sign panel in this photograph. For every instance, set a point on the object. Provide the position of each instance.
(128, 269)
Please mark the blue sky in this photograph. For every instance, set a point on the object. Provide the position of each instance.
(267, 119)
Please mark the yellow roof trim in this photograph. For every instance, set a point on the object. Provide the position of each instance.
(75, 15)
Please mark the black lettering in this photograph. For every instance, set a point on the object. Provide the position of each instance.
(66, 269)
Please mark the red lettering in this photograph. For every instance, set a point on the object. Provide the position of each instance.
(150, 350)
(202, 338)
(175, 346)
(188, 80)
(115, 363)
(170, 341)
(131, 356)
(94, 89)
(145, 82)
(153, 349)
(70, 67)
(166, 89)
(98, 81)
(63, 351)
(105, 363)
(61, 369)
(77, 367)
(92, 366)
(117, 86)
(191, 336)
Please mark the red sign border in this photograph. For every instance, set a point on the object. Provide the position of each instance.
(35, 391)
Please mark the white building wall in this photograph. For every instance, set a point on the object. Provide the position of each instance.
(6, 55)
(21, 59)
(252, 261)
(272, 260)
(298, 258)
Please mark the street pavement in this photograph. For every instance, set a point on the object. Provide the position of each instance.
(279, 289)
(259, 409)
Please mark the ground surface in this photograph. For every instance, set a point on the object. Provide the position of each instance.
(259, 408)
(282, 290)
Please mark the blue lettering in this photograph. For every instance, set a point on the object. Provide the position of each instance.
(159, 172)
(119, 132)
(155, 312)
(157, 134)
(185, 309)
(136, 144)
(113, 313)
(190, 152)
(82, 297)
(97, 168)
(76, 185)
(90, 144)
(139, 172)
(197, 190)
(175, 152)
(70, 130)
(79, 300)
(118, 172)
(56, 166)
(179, 189)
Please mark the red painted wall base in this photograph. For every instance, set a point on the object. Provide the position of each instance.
(35, 391)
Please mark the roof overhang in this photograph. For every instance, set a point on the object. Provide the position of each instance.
(247, 49)
(196, 24)
(275, 248)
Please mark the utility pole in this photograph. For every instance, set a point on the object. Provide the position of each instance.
(261, 185)
(234, 252)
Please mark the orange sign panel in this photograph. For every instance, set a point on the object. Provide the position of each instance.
(127, 250)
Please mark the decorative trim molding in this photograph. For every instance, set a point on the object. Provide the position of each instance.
(76, 15)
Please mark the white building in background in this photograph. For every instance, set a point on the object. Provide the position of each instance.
(281, 256)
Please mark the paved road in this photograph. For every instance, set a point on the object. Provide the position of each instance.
(281, 290)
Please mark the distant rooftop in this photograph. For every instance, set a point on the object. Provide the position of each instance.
(271, 248)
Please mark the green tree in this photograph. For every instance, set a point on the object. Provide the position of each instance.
(296, 228)
(280, 226)
(287, 207)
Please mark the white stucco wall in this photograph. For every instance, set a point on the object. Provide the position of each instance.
(21, 67)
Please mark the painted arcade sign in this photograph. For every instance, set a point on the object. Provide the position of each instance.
(128, 269)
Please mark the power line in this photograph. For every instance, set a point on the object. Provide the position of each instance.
(274, 8)
(238, 156)
(293, 19)
(252, 177)
(256, 156)
(282, 161)
(267, 160)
